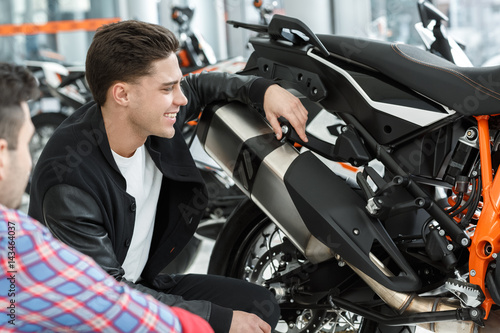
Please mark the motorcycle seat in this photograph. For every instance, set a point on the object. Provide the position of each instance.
(471, 91)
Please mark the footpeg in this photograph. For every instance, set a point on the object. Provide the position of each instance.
(469, 294)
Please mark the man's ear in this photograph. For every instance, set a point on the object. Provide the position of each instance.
(4, 156)
(119, 93)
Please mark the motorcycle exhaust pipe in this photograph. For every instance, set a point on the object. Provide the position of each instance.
(407, 303)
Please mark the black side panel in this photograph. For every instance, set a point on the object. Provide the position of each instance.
(335, 215)
(334, 92)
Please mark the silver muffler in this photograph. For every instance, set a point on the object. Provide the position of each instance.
(245, 147)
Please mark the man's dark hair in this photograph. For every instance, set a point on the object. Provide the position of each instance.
(125, 51)
(17, 85)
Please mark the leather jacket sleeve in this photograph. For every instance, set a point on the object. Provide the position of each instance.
(205, 88)
(74, 217)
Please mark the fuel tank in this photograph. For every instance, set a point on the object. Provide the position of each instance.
(313, 206)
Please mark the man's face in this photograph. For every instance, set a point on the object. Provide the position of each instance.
(17, 164)
(156, 98)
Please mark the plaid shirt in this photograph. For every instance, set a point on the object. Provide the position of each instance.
(46, 286)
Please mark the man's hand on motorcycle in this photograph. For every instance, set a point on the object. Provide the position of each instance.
(280, 102)
(244, 322)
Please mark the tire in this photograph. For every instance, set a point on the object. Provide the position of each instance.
(248, 238)
(45, 125)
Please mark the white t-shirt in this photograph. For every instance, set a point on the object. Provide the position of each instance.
(143, 183)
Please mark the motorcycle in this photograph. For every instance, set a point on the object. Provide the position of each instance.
(434, 35)
(194, 52)
(63, 90)
(415, 242)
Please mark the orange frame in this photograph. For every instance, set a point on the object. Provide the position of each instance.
(487, 233)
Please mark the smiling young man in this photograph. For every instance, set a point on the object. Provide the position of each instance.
(117, 181)
(44, 284)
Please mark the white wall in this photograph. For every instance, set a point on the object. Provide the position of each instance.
(143, 10)
(352, 18)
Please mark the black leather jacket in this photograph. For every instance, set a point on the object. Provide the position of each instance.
(79, 192)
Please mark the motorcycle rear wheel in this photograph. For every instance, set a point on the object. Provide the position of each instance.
(250, 248)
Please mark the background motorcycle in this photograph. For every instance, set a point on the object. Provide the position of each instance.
(434, 35)
(64, 89)
(413, 245)
(194, 52)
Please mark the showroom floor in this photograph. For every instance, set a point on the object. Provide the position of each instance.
(200, 264)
